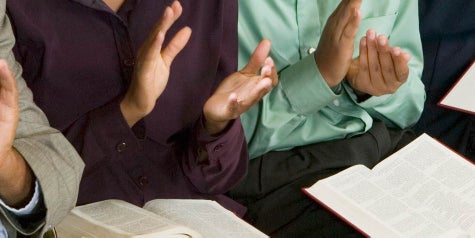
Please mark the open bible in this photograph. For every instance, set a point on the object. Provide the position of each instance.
(423, 190)
(461, 97)
(158, 218)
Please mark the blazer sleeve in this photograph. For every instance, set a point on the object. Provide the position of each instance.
(54, 162)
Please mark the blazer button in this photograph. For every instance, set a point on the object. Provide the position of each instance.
(121, 147)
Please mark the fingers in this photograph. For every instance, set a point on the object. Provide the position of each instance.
(269, 71)
(244, 101)
(258, 57)
(364, 65)
(345, 19)
(252, 88)
(386, 62)
(373, 57)
(350, 29)
(268, 79)
(170, 15)
(7, 80)
(401, 61)
(336, 46)
(176, 45)
(156, 36)
(382, 69)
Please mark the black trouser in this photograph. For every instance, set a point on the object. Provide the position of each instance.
(272, 189)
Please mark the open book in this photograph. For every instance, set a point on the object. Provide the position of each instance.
(461, 97)
(423, 190)
(158, 218)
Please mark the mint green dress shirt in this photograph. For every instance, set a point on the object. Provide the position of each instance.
(302, 109)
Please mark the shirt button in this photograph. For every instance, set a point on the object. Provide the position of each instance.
(218, 148)
(336, 102)
(129, 62)
(143, 180)
(311, 50)
(121, 147)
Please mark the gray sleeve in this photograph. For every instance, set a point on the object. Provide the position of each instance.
(54, 162)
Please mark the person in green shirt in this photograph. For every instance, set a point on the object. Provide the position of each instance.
(349, 89)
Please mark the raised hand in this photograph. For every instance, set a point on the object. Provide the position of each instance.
(241, 90)
(335, 49)
(380, 69)
(16, 178)
(8, 110)
(153, 66)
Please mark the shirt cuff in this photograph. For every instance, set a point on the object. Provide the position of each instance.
(305, 87)
(371, 102)
(30, 208)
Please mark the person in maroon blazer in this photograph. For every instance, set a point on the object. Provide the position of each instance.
(146, 127)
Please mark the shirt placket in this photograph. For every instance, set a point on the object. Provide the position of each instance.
(309, 26)
(127, 60)
(124, 48)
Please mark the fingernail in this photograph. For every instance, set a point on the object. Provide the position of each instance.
(269, 61)
(167, 11)
(371, 34)
(265, 70)
(382, 40)
(363, 41)
(396, 51)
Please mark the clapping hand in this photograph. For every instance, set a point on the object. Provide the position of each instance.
(241, 90)
(335, 48)
(380, 69)
(153, 66)
(8, 110)
(16, 178)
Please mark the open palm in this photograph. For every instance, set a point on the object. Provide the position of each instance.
(241, 90)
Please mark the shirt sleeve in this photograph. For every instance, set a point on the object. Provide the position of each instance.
(33, 213)
(227, 154)
(284, 117)
(225, 158)
(304, 86)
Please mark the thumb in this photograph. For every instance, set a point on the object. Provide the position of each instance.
(258, 57)
(7, 81)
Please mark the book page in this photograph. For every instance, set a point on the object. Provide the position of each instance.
(461, 96)
(432, 181)
(205, 216)
(115, 218)
(423, 190)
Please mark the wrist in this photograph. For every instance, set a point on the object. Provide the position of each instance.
(6, 156)
(130, 112)
(327, 76)
(361, 96)
(16, 179)
(214, 127)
